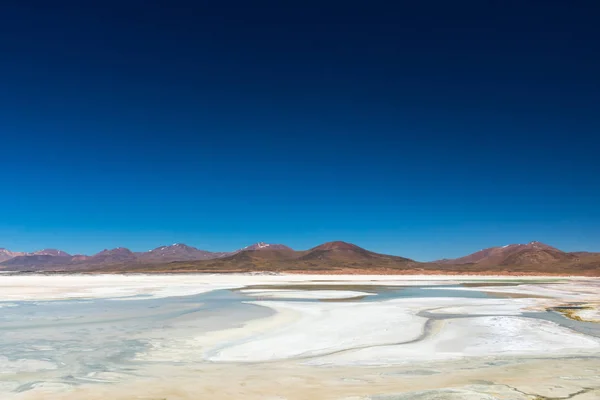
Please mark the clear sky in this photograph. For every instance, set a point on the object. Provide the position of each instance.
(425, 129)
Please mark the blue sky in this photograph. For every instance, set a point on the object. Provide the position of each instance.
(415, 130)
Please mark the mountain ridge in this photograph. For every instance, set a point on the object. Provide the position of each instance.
(331, 257)
(519, 254)
(51, 258)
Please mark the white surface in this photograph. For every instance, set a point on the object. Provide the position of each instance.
(43, 287)
(337, 335)
(479, 336)
(304, 294)
(324, 328)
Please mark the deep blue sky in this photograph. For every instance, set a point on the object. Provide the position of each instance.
(425, 129)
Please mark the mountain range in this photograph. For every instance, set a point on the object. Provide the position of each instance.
(514, 254)
(6, 254)
(49, 259)
(331, 257)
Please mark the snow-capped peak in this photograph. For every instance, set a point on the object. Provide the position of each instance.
(259, 245)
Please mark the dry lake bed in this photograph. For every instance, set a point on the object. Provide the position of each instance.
(278, 337)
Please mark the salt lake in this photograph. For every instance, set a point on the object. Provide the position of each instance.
(180, 337)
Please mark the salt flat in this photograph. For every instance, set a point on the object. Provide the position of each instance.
(49, 287)
(296, 337)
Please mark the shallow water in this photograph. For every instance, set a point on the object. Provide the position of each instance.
(75, 338)
(383, 292)
(97, 341)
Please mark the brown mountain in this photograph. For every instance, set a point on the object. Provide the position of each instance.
(177, 252)
(265, 246)
(6, 254)
(340, 257)
(328, 258)
(532, 253)
(40, 257)
(47, 262)
(52, 259)
(36, 262)
(340, 251)
(585, 253)
(50, 252)
(333, 257)
(112, 256)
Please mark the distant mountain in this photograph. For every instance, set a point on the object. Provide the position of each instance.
(6, 254)
(112, 256)
(52, 259)
(514, 254)
(329, 257)
(340, 251)
(36, 262)
(50, 252)
(337, 257)
(178, 252)
(585, 253)
(266, 246)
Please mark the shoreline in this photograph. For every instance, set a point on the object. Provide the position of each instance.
(345, 273)
(595, 274)
(80, 286)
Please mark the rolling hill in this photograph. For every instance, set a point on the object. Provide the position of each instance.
(6, 254)
(177, 252)
(532, 253)
(52, 259)
(336, 257)
(332, 257)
